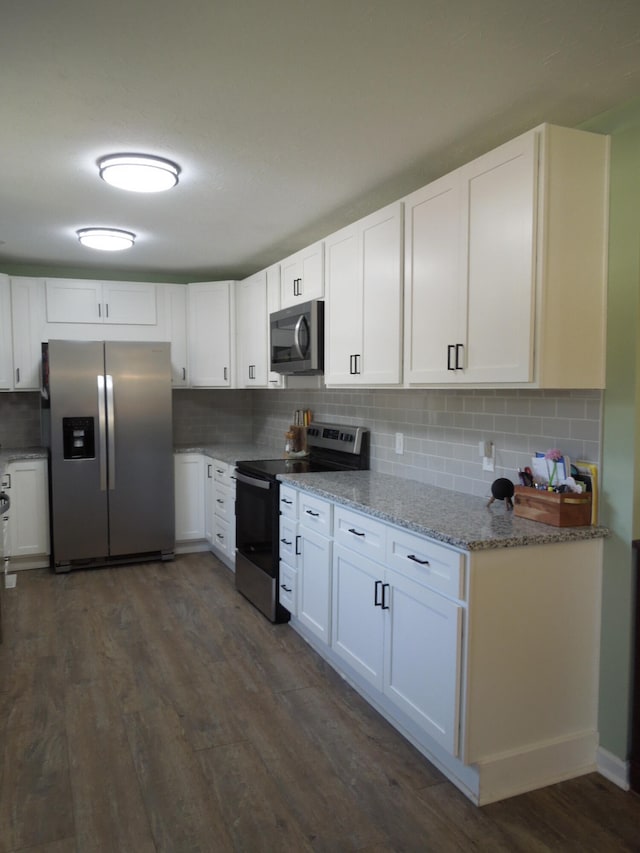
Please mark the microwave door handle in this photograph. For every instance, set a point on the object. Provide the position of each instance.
(296, 335)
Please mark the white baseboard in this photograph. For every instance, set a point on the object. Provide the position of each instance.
(613, 768)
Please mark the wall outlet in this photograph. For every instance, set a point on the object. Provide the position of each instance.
(399, 442)
(489, 456)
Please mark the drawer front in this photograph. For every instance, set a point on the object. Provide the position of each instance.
(288, 502)
(222, 536)
(222, 472)
(361, 533)
(287, 588)
(426, 562)
(315, 513)
(289, 544)
(223, 502)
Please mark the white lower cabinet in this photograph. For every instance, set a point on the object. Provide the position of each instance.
(190, 497)
(401, 636)
(223, 539)
(27, 485)
(467, 653)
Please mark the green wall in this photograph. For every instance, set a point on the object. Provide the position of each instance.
(621, 416)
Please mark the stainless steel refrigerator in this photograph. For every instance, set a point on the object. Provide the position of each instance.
(107, 413)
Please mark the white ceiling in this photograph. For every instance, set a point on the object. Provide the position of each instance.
(290, 118)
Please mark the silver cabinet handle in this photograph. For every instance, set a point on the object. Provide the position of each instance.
(111, 434)
(102, 434)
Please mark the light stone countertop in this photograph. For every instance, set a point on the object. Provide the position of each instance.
(231, 453)
(460, 520)
(18, 454)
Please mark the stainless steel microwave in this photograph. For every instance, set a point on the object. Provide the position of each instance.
(297, 339)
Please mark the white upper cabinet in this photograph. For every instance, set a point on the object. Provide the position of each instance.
(364, 301)
(252, 340)
(6, 361)
(302, 275)
(274, 380)
(118, 302)
(502, 257)
(27, 317)
(175, 321)
(210, 333)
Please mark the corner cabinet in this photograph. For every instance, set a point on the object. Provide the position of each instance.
(302, 276)
(363, 270)
(502, 258)
(211, 321)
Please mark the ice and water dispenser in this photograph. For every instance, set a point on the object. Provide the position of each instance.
(78, 438)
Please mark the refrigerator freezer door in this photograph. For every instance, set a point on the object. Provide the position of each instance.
(78, 503)
(139, 426)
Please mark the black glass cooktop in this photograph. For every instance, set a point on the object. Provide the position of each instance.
(273, 467)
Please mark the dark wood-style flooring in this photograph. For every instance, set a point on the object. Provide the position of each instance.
(151, 708)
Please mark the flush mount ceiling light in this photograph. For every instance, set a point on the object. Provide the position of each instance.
(106, 239)
(138, 172)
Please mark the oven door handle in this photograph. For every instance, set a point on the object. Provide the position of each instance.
(251, 481)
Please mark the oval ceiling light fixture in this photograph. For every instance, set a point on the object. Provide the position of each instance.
(139, 173)
(106, 239)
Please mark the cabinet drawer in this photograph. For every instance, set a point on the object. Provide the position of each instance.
(222, 472)
(288, 502)
(287, 587)
(223, 502)
(426, 562)
(288, 541)
(315, 513)
(359, 532)
(221, 536)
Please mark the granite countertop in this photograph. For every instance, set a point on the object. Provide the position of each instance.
(230, 452)
(18, 454)
(460, 520)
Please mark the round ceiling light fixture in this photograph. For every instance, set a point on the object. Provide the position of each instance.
(140, 173)
(106, 239)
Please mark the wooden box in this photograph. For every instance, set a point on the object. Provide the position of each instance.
(560, 510)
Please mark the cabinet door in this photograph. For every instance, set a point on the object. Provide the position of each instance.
(274, 380)
(190, 497)
(422, 657)
(209, 500)
(303, 276)
(501, 201)
(381, 253)
(6, 361)
(29, 515)
(129, 303)
(74, 301)
(210, 322)
(176, 320)
(251, 331)
(357, 618)
(314, 584)
(27, 318)
(434, 281)
(343, 334)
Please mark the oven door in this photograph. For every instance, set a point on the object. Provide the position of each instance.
(257, 520)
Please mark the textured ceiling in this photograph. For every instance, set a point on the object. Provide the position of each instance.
(290, 118)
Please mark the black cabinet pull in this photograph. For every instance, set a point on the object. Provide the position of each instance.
(184, 373)
(418, 560)
(286, 501)
(311, 512)
(209, 472)
(459, 350)
(355, 532)
(219, 501)
(385, 605)
(219, 535)
(377, 600)
(450, 350)
(285, 588)
(298, 552)
(286, 542)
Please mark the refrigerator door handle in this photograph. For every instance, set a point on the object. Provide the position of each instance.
(111, 437)
(102, 426)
